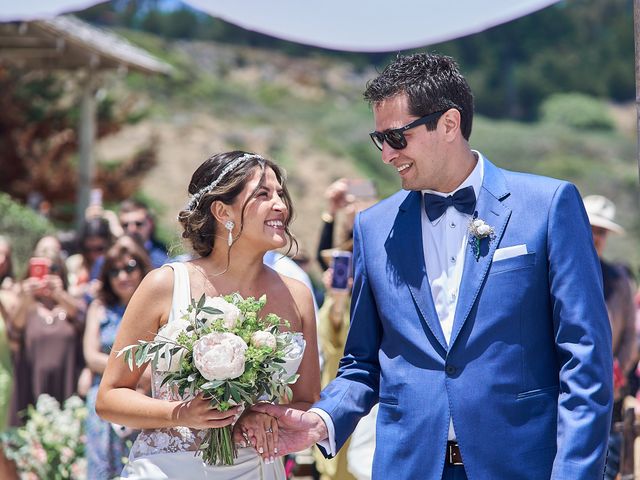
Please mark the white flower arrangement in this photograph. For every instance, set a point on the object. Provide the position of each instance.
(222, 347)
(479, 230)
(51, 443)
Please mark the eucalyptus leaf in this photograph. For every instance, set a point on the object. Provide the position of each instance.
(212, 311)
(201, 302)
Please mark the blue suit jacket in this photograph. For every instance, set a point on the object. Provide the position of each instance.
(527, 377)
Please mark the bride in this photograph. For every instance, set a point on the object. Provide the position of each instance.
(239, 210)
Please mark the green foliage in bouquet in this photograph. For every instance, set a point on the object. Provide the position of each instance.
(51, 443)
(223, 348)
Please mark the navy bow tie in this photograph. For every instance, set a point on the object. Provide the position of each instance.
(464, 200)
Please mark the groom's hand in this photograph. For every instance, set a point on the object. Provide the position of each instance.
(297, 429)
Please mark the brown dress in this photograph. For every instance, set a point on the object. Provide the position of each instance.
(49, 361)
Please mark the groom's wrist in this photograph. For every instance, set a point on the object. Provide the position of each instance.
(319, 430)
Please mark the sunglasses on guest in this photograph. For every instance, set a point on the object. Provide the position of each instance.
(395, 137)
(137, 223)
(129, 268)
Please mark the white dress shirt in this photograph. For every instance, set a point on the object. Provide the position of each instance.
(444, 244)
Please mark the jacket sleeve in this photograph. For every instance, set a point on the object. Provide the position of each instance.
(355, 390)
(583, 340)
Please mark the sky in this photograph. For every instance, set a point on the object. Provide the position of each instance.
(350, 25)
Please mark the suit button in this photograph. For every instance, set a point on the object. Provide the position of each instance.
(450, 369)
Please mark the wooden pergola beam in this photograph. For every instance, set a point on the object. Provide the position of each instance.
(67, 43)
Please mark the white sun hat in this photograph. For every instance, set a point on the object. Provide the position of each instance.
(602, 212)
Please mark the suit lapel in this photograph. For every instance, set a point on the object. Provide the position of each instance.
(489, 208)
(409, 262)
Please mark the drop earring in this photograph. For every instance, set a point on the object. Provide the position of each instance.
(229, 226)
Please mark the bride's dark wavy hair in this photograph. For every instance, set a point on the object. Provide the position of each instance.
(199, 225)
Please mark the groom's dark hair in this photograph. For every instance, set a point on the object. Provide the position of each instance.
(432, 83)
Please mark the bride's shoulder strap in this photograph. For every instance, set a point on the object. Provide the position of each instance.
(181, 290)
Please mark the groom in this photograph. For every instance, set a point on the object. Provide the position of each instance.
(478, 322)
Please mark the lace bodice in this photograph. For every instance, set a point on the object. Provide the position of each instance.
(185, 439)
(165, 440)
(178, 439)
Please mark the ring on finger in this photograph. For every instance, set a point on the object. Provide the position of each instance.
(269, 430)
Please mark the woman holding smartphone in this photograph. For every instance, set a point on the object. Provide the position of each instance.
(47, 327)
(125, 265)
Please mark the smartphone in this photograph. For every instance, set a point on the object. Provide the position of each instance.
(362, 189)
(39, 267)
(95, 197)
(341, 264)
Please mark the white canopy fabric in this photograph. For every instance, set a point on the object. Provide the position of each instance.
(351, 25)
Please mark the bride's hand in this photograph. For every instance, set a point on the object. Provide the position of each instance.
(198, 413)
(260, 431)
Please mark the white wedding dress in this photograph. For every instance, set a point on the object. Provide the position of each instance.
(169, 453)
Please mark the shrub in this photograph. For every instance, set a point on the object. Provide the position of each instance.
(23, 227)
(578, 111)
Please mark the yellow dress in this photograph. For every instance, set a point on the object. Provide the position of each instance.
(332, 344)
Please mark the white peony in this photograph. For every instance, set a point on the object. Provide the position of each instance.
(230, 313)
(478, 223)
(170, 331)
(219, 356)
(263, 338)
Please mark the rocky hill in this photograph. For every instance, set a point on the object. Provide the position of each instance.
(307, 114)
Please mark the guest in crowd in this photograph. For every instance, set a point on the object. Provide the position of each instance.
(136, 220)
(354, 461)
(619, 300)
(47, 327)
(345, 197)
(94, 240)
(125, 264)
(8, 299)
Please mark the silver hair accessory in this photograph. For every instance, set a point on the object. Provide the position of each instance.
(229, 226)
(195, 198)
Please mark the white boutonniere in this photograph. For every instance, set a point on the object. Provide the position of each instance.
(478, 230)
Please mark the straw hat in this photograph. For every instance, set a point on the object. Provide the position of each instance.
(601, 212)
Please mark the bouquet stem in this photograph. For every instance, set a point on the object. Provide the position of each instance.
(218, 447)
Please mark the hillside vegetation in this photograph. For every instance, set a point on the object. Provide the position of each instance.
(307, 113)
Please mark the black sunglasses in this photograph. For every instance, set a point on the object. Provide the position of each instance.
(137, 223)
(129, 268)
(395, 137)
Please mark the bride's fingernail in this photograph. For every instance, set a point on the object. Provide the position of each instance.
(260, 450)
(270, 459)
(275, 450)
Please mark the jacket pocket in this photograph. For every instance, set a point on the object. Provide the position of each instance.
(387, 400)
(513, 263)
(537, 392)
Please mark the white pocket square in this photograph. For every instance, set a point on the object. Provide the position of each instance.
(509, 252)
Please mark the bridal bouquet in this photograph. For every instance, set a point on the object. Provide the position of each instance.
(224, 348)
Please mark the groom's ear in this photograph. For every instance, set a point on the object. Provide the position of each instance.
(221, 211)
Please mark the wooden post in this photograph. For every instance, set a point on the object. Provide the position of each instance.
(628, 440)
(86, 136)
